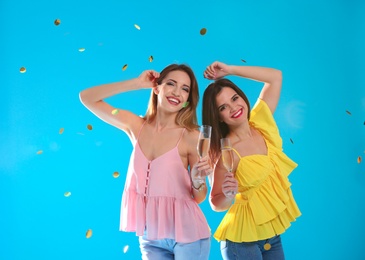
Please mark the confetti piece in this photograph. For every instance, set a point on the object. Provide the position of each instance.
(90, 127)
(359, 159)
(203, 31)
(125, 67)
(40, 152)
(150, 58)
(115, 174)
(115, 112)
(67, 194)
(243, 60)
(23, 70)
(348, 112)
(61, 131)
(89, 233)
(291, 140)
(125, 249)
(137, 27)
(57, 22)
(81, 49)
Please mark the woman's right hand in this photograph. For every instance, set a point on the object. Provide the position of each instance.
(229, 185)
(148, 79)
(216, 70)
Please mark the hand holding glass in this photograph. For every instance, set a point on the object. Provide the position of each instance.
(227, 155)
(203, 146)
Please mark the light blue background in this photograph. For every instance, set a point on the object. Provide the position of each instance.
(319, 46)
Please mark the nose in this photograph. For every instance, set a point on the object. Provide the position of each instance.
(176, 92)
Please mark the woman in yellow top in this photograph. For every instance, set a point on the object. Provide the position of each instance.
(257, 192)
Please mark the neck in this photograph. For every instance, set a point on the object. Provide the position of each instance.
(241, 132)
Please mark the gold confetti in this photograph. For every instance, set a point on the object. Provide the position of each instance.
(291, 140)
(348, 112)
(40, 152)
(125, 67)
(137, 27)
(57, 22)
(150, 58)
(243, 60)
(67, 194)
(81, 49)
(115, 112)
(115, 174)
(61, 130)
(203, 31)
(359, 159)
(23, 70)
(90, 127)
(267, 246)
(125, 249)
(89, 233)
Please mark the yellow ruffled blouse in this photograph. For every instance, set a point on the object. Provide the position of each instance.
(264, 205)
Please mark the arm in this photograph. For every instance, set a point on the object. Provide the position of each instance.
(197, 167)
(272, 79)
(92, 99)
(224, 183)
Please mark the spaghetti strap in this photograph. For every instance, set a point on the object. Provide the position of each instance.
(183, 131)
(236, 152)
(140, 130)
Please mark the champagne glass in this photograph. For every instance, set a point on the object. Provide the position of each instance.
(227, 155)
(203, 145)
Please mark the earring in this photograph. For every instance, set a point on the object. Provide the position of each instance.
(185, 104)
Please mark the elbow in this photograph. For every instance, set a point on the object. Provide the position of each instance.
(215, 207)
(278, 76)
(82, 97)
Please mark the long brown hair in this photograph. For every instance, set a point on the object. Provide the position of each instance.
(186, 117)
(211, 113)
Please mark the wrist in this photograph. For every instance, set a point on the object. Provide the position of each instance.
(200, 187)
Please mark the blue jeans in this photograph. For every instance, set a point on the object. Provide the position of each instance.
(169, 249)
(253, 250)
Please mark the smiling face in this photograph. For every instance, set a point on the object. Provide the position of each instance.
(232, 108)
(174, 90)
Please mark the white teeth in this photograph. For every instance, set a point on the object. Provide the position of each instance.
(238, 113)
(174, 100)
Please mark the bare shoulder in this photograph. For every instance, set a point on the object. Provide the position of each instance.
(191, 138)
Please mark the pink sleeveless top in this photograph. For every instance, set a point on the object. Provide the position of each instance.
(157, 197)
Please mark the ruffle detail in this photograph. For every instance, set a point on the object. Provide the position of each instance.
(259, 213)
(168, 218)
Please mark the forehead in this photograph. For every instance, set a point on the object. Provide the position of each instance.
(179, 76)
(224, 95)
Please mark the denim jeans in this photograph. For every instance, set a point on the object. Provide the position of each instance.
(253, 250)
(169, 249)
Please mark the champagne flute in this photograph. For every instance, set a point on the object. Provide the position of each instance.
(227, 155)
(203, 145)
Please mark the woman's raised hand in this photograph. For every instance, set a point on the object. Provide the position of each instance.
(148, 79)
(216, 70)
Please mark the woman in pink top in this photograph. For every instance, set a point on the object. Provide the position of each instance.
(162, 189)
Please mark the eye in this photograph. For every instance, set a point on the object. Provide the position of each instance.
(235, 97)
(221, 108)
(170, 83)
(186, 89)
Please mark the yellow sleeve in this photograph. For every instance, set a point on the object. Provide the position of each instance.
(262, 119)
